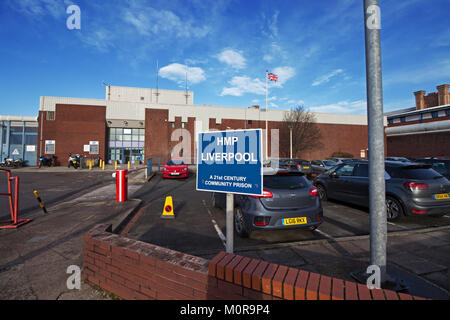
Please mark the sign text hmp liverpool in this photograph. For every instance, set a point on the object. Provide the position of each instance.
(230, 161)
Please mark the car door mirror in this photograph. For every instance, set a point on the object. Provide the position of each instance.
(334, 175)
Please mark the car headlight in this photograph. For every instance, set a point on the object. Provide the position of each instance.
(185, 169)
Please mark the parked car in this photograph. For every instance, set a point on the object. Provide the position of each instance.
(411, 188)
(441, 165)
(397, 159)
(175, 169)
(338, 160)
(289, 201)
(320, 166)
(303, 166)
(283, 164)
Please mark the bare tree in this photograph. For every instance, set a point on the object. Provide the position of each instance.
(306, 134)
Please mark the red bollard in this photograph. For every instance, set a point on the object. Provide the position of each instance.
(121, 185)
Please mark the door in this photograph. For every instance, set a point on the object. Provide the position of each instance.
(358, 186)
(340, 183)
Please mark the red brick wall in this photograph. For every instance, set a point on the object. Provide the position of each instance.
(157, 134)
(336, 137)
(73, 127)
(419, 145)
(136, 270)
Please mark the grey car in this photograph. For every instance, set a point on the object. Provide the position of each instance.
(411, 188)
(289, 201)
(320, 166)
(303, 166)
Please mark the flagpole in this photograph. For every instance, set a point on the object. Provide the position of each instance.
(267, 129)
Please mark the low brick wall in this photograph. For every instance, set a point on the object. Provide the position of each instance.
(133, 269)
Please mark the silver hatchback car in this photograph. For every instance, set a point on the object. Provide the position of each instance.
(289, 201)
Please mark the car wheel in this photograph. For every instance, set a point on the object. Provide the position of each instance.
(239, 224)
(394, 209)
(322, 192)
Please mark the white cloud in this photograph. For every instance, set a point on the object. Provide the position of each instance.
(177, 72)
(149, 21)
(326, 78)
(36, 9)
(101, 39)
(284, 74)
(232, 58)
(268, 58)
(244, 84)
(359, 106)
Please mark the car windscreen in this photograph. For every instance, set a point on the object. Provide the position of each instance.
(329, 163)
(285, 182)
(175, 162)
(413, 172)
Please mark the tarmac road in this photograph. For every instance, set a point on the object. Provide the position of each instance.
(199, 228)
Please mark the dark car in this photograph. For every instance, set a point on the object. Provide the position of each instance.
(403, 159)
(320, 166)
(303, 166)
(411, 188)
(289, 201)
(440, 165)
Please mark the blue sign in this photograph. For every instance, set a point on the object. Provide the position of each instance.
(230, 162)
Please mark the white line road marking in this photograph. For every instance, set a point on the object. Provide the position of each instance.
(216, 226)
(397, 225)
(446, 216)
(324, 234)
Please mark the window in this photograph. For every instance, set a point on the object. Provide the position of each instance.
(142, 98)
(182, 125)
(250, 121)
(93, 147)
(390, 121)
(345, 170)
(361, 170)
(447, 113)
(402, 119)
(49, 146)
(50, 115)
(434, 114)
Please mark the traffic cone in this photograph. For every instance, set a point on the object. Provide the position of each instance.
(168, 209)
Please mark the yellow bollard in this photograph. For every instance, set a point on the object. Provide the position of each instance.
(115, 165)
(103, 165)
(90, 165)
(129, 165)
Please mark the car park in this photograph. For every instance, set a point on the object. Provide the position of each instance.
(289, 201)
(320, 166)
(175, 169)
(411, 188)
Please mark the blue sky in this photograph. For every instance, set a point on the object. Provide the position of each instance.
(315, 47)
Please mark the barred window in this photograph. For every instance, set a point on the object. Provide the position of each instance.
(50, 115)
(93, 147)
(49, 146)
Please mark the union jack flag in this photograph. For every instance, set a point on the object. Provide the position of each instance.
(272, 77)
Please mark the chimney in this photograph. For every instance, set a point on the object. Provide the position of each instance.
(443, 96)
(254, 107)
(420, 99)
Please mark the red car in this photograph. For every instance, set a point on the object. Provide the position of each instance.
(175, 169)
